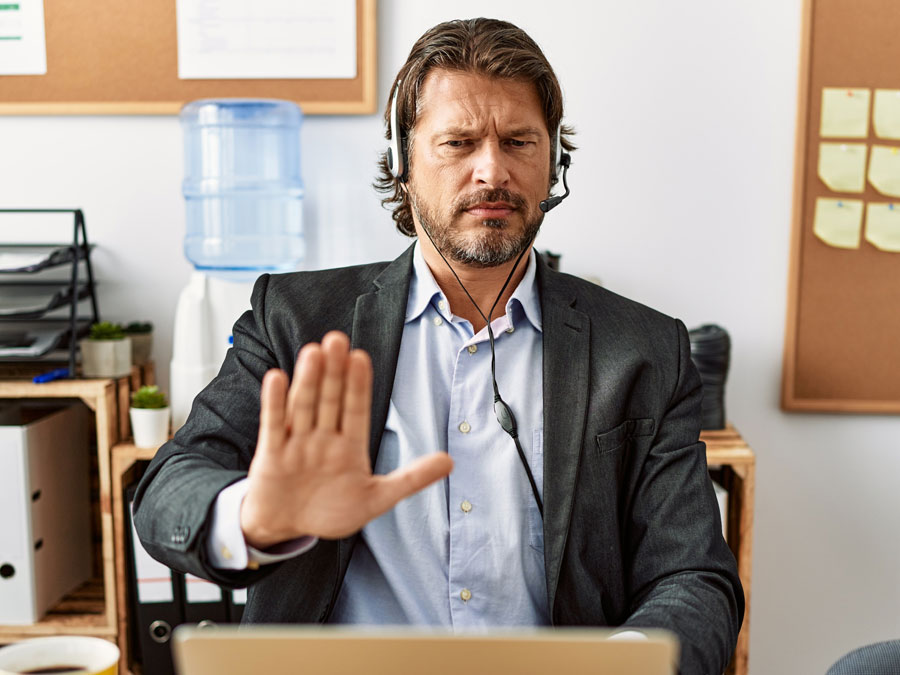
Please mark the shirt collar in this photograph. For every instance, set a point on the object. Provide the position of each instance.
(423, 289)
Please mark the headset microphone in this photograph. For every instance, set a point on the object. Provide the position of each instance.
(550, 203)
(564, 159)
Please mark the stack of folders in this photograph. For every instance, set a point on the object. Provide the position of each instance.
(161, 599)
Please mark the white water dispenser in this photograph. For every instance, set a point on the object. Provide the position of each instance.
(243, 197)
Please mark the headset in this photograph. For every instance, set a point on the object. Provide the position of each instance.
(562, 160)
(396, 152)
(398, 165)
(397, 161)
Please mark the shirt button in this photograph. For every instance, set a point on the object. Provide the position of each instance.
(465, 427)
(510, 329)
(226, 553)
(437, 321)
(466, 506)
(442, 304)
(473, 348)
(465, 594)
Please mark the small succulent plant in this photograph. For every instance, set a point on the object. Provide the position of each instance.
(106, 331)
(149, 396)
(138, 328)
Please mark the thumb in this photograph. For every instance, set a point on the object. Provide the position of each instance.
(407, 480)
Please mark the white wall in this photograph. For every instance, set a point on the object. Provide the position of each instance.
(681, 198)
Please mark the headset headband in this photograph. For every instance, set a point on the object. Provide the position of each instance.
(396, 152)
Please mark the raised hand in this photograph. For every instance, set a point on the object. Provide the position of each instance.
(311, 473)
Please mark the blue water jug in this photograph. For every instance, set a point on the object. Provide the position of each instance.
(242, 186)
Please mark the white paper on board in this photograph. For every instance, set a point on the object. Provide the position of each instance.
(266, 39)
(23, 46)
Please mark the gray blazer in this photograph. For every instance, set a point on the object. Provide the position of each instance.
(631, 525)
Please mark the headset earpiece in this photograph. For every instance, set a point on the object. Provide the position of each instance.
(396, 152)
(562, 160)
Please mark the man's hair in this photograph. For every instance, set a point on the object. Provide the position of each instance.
(488, 47)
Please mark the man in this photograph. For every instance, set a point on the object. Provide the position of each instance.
(592, 508)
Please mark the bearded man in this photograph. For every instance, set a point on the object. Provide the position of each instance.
(467, 437)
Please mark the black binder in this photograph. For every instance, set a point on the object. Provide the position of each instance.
(236, 601)
(156, 600)
(205, 603)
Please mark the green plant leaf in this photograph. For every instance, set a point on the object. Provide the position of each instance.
(106, 330)
(149, 396)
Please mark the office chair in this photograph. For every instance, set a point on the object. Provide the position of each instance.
(881, 658)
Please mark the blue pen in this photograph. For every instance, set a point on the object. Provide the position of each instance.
(57, 374)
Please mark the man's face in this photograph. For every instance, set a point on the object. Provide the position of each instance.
(479, 166)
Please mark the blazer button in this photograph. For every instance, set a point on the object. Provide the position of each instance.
(180, 535)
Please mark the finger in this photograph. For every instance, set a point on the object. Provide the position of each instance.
(272, 410)
(305, 389)
(335, 346)
(407, 480)
(357, 412)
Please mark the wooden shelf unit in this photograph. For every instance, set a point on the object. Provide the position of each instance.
(733, 465)
(124, 470)
(91, 609)
(81, 612)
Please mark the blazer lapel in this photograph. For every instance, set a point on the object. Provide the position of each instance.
(566, 351)
(377, 328)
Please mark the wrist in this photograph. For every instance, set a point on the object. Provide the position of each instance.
(257, 533)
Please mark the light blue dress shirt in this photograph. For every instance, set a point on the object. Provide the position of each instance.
(468, 551)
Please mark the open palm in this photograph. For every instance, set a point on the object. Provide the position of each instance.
(311, 474)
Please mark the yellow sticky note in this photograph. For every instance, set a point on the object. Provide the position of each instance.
(838, 222)
(886, 113)
(884, 170)
(842, 166)
(845, 113)
(883, 226)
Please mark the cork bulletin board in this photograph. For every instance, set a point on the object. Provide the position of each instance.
(111, 57)
(842, 342)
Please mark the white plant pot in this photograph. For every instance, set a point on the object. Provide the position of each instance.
(150, 426)
(105, 358)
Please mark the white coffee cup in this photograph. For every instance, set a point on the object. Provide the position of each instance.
(83, 655)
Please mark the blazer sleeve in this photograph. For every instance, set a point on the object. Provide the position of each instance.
(683, 577)
(175, 497)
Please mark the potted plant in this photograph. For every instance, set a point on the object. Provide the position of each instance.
(149, 414)
(106, 352)
(141, 334)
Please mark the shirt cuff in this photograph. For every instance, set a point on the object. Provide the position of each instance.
(226, 547)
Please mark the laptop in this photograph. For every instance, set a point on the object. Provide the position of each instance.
(353, 650)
